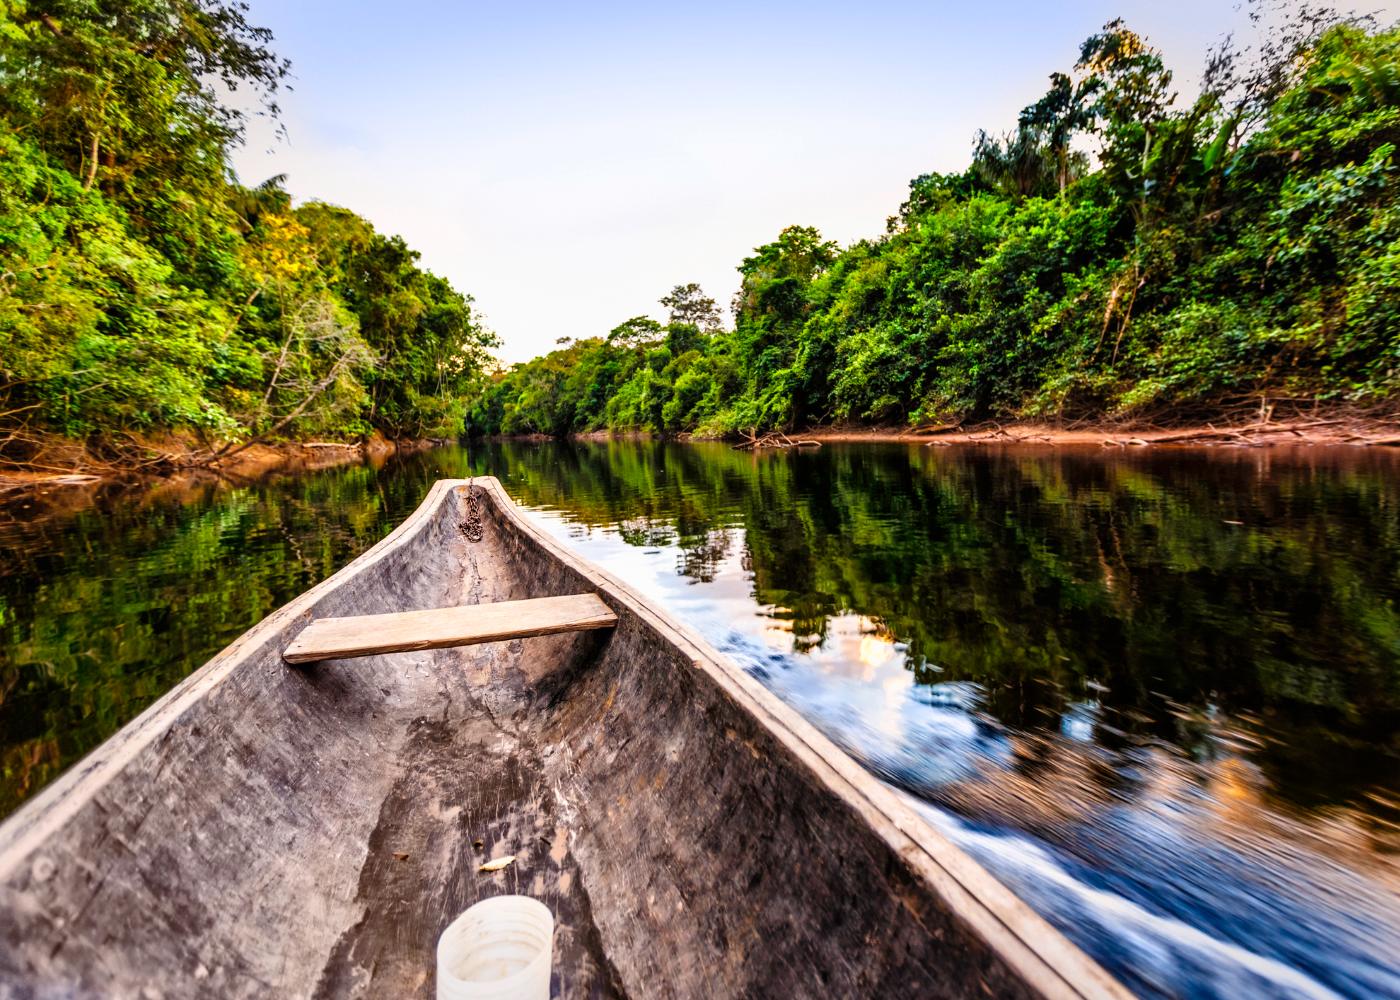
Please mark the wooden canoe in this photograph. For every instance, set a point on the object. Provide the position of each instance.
(308, 831)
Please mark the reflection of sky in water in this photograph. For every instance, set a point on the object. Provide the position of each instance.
(1181, 889)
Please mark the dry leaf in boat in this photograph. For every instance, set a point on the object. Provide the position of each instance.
(497, 864)
(400, 856)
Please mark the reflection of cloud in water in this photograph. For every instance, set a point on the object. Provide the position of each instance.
(899, 731)
(1079, 720)
(1178, 878)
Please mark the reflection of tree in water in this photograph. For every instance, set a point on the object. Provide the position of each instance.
(701, 555)
(1034, 574)
(645, 533)
(1043, 576)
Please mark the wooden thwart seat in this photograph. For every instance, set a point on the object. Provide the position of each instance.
(437, 628)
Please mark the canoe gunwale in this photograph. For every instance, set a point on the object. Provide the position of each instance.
(1037, 952)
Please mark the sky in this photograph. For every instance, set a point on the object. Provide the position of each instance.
(566, 164)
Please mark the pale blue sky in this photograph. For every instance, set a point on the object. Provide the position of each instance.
(566, 164)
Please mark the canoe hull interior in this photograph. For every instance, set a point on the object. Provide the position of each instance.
(268, 830)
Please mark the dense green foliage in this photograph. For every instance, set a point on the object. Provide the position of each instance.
(1120, 252)
(143, 289)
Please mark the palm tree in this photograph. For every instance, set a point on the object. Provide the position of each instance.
(251, 204)
(1021, 164)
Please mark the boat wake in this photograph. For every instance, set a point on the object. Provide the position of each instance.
(1145, 881)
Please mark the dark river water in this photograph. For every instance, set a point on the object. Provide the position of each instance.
(1157, 693)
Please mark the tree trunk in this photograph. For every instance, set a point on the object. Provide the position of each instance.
(92, 165)
(281, 358)
(286, 421)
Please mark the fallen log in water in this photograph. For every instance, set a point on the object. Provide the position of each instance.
(773, 439)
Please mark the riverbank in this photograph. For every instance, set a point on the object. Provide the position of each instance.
(1334, 430)
(68, 463)
(63, 462)
(1352, 431)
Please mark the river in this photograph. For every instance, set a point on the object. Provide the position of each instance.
(1157, 693)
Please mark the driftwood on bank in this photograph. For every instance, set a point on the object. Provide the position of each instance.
(991, 431)
(773, 439)
(1249, 435)
(1363, 431)
(934, 429)
(42, 458)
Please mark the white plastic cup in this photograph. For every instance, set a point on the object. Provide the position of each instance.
(500, 949)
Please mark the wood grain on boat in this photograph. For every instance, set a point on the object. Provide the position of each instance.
(439, 628)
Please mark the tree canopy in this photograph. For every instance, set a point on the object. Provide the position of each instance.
(142, 288)
(1120, 251)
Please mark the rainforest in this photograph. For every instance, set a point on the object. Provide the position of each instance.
(1120, 252)
(145, 291)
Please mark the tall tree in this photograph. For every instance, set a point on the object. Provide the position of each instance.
(689, 305)
(130, 91)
